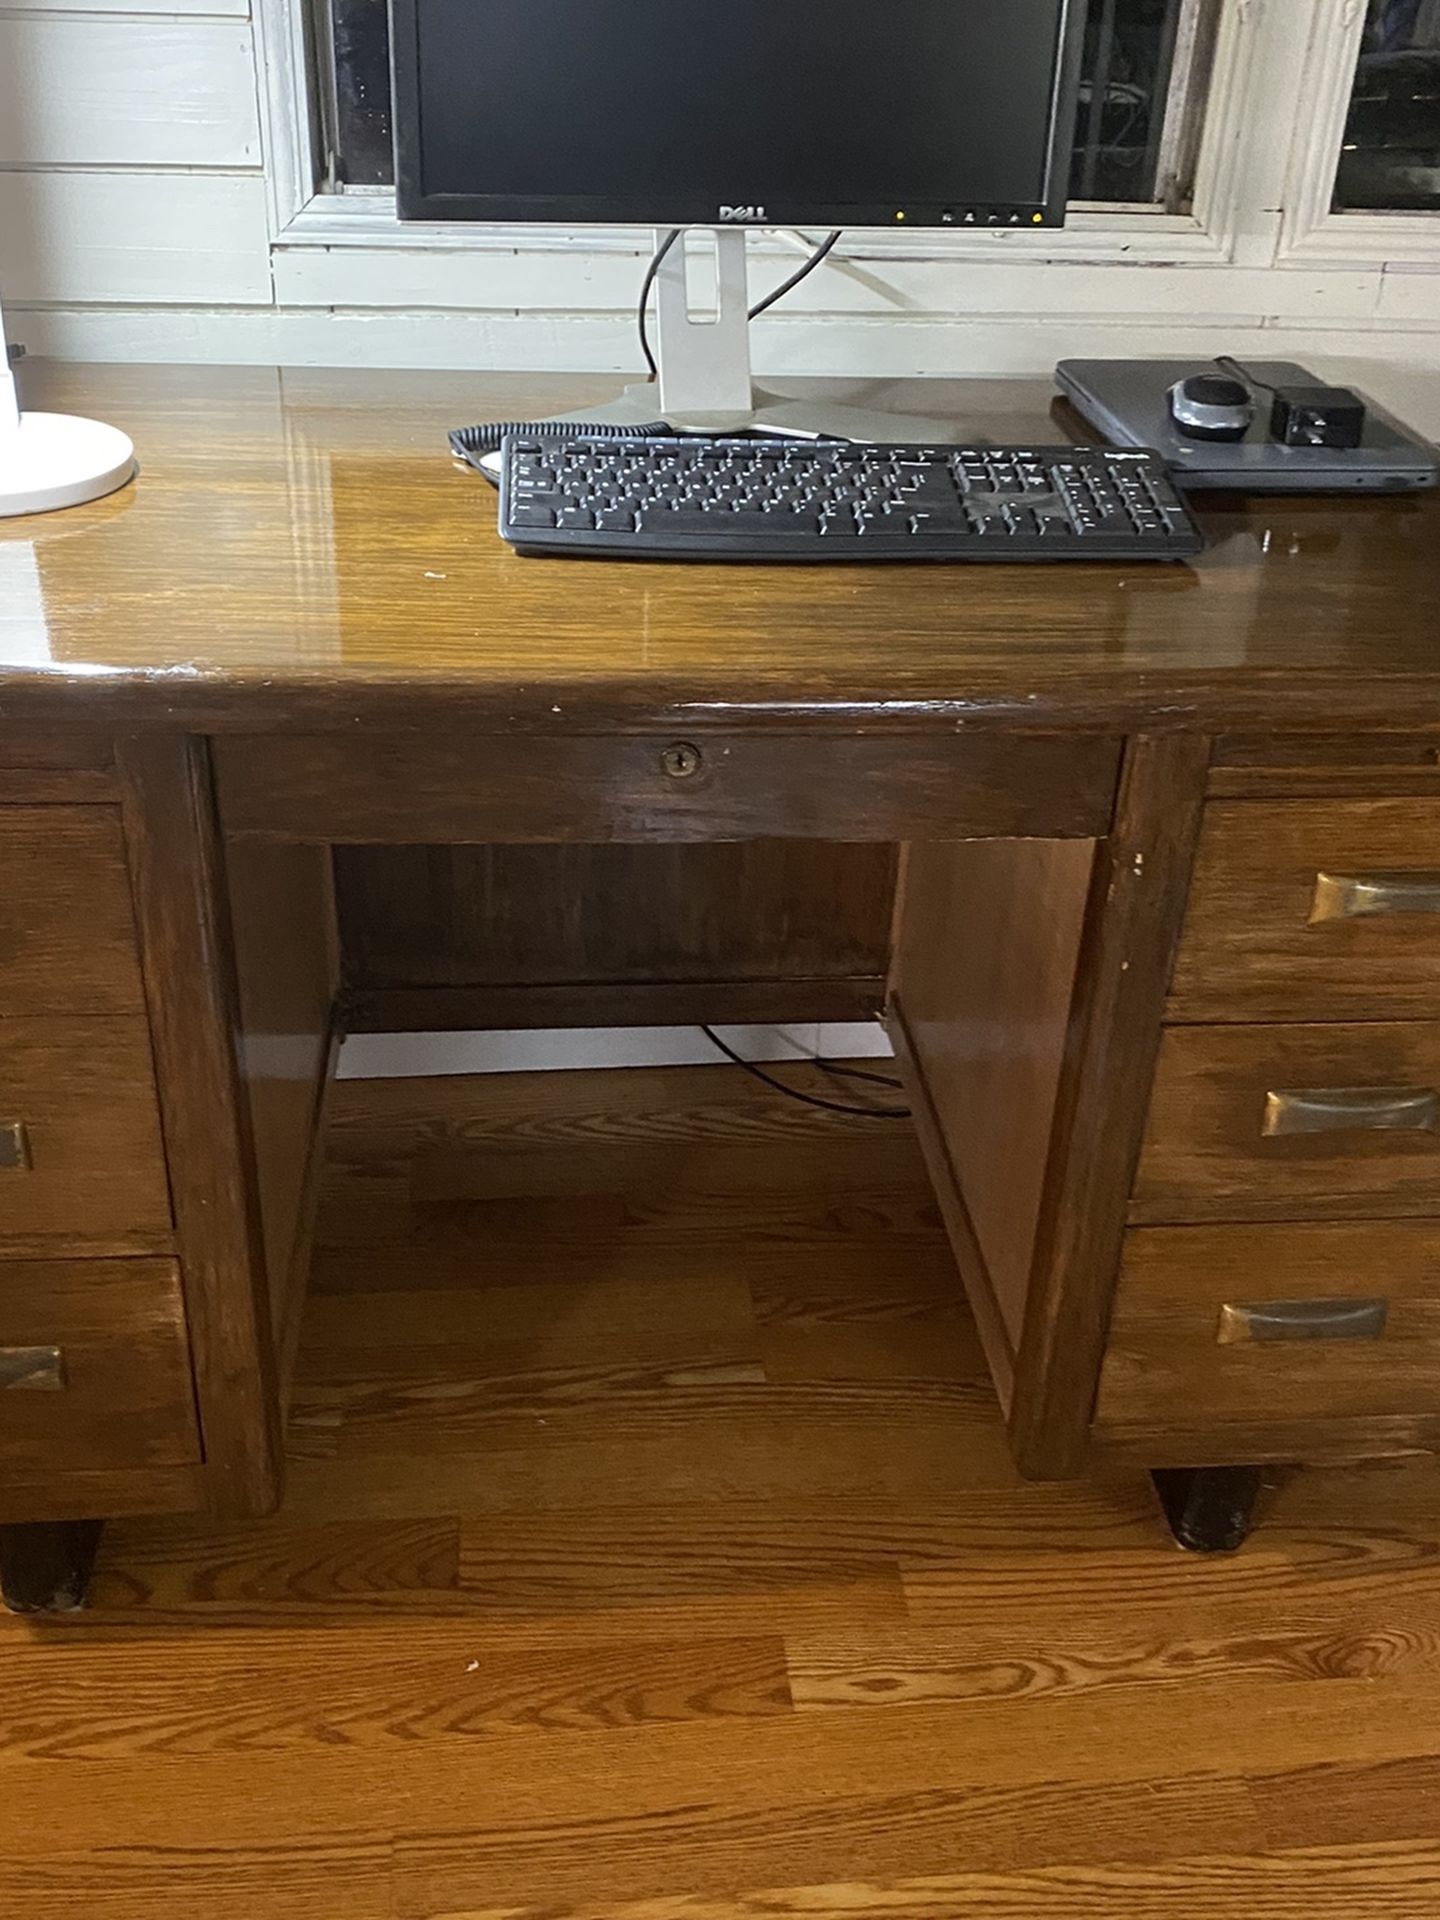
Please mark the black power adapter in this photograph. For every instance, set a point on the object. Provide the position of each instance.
(1317, 417)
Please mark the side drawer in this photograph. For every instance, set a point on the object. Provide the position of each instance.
(67, 936)
(94, 1368)
(1274, 1327)
(81, 1158)
(1292, 1122)
(609, 787)
(1312, 910)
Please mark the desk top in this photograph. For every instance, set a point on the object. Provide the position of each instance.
(300, 552)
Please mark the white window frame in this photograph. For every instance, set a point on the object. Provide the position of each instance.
(1279, 94)
(1313, 234)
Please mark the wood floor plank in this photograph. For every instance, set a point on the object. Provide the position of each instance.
(647, 1553)
(451, 1262)
(348, 1877)
(1333, 1883)
(908, 1666)
(647, 1171)
(127, 1694)
(1341, 1805)
(192, 1561)
(768, 1460)
(389, 1120)
(475, 1234)
(1361, 1564)
(385, 1408)
(566, 1781)
(938, 1831)
(700, 1307)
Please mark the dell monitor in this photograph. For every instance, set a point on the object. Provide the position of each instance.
(729, 114)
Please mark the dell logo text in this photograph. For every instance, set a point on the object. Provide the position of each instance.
(742, 213)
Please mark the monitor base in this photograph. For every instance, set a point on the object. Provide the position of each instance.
(774, 413)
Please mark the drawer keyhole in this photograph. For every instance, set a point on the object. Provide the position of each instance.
(682, 761)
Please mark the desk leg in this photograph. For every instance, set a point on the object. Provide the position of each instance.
(45, 1566)
(1210, 1509)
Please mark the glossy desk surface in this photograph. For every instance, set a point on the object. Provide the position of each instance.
(300, 551)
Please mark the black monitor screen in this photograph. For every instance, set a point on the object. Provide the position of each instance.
(765, 111)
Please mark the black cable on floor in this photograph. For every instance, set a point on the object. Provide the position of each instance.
(794, 1093)
(842, 1072)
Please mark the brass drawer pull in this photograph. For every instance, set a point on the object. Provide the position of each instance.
(1359, 896)
(1303, 1320)
(14, 1146)
(1351, 1109)
(38, 1369)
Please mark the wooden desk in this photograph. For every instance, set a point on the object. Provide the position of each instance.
(1165, 943)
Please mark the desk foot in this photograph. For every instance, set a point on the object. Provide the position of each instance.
(45, 1567)
(1210, 1509)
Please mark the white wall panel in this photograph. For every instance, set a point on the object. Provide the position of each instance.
(101, 92)
(588, 281)
(234, 8)
(1023, 345)
(80, 237)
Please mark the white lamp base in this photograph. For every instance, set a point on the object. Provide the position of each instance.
(59, 460)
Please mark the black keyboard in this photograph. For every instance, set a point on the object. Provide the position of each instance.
(755, 499)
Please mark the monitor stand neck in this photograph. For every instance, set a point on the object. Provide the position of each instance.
(705, 383)
(704, 352)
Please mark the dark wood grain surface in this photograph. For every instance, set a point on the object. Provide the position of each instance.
(67, 935)
(1260, 940)
(124, 1399)
(1165, 1351)
(987, 947)
(188, 957)
(1207, 1155)
(323, 562)
(83, 1089)
(1137, 901)
(651, 935)
(822, 1652)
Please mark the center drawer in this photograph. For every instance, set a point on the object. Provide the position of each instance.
(458, 789)
(1293, 1122)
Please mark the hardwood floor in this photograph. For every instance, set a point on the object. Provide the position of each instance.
(653, 1552)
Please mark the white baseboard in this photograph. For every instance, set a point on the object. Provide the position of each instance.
(392, 1056)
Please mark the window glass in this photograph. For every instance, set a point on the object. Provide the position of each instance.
(1390, 159)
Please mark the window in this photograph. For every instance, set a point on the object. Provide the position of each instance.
(1390, 160)
(1146, 62)
(356, 34)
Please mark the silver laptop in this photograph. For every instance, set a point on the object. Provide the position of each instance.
(1128, 402)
